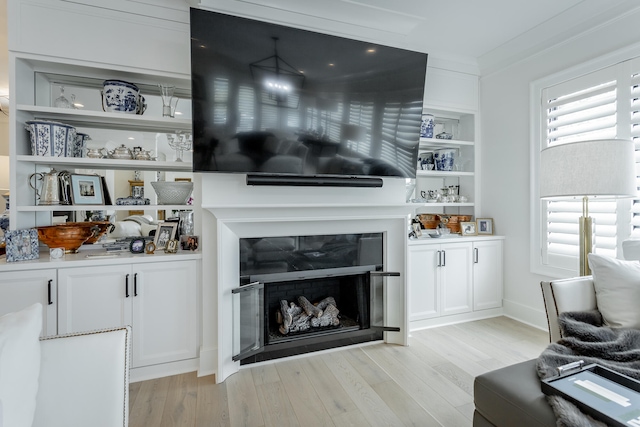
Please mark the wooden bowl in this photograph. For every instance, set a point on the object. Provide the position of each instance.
(71, 235)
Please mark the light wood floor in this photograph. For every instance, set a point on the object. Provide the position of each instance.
(428, 383)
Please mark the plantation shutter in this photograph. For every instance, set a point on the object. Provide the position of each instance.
(220, 100)
(246, 108)
(634, 135)
(581, 109)
(361, 114)
(399, 134)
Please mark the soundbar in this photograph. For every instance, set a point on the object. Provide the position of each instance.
(314, 181)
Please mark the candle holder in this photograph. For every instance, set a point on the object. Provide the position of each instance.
(180, 141)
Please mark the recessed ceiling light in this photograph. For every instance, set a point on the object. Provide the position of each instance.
(372, 50)
(331, 65)
(131, 138)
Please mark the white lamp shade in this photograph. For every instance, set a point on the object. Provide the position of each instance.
(4, 174)
(602, 168)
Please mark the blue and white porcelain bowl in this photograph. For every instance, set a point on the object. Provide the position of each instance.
(80, 144)
(444, 159)
(52, 139)
(120, 97)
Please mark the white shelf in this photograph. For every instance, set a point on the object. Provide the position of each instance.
(441, 143)
(440, 174)
(65, 208)
(104, 120)
(88, 163)
(441, 205)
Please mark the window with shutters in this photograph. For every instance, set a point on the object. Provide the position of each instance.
(398, 132)
(361, 114)
(603, 104)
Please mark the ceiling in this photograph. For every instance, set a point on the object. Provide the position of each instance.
(487, 34)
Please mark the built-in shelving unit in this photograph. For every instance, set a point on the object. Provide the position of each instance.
(39, 81)
(462, 126)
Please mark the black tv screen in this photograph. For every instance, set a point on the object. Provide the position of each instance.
(270, 99)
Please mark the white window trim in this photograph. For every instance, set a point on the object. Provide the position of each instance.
(535, 137)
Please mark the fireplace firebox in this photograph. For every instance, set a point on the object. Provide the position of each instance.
(309, 293)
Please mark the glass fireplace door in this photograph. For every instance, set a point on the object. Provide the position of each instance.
(248, 322)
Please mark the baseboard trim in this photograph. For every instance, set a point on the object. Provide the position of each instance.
(208, 362)
(417, 325)
(152, 372)
(525, 314)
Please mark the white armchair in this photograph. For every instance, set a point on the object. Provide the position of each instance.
(82, 379)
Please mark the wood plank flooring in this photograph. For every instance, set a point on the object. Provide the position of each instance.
(428, 383)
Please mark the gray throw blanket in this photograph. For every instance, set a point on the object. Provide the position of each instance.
(586, 338)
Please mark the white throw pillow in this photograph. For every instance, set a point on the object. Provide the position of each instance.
(20, 365)
(617, 285)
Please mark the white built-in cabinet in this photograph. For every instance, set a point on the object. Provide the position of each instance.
(158, 300)
(453, 281)
(22, 289)
(487, 274)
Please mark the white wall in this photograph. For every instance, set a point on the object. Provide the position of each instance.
(504, 108)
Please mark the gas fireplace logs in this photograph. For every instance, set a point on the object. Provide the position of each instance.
(301, 317)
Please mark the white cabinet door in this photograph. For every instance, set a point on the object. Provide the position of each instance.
(20, 289)
(94, 298)
(487, 274)
(422, 278)
(164, 312)
(455, 278)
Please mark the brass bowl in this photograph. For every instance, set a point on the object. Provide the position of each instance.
(72, 235)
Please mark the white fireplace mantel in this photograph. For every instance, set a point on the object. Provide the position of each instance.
(224, 224)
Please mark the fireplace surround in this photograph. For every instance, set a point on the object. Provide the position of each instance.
(231, 211)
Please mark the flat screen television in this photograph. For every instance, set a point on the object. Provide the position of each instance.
(280, 101)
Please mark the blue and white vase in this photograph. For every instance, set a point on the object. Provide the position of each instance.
(50, 138)
(444, 159)
(80, 144)
(426, 128)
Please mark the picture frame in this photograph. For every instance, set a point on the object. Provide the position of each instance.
(485, 225)
(137, 245)
(171, 247)
(22, 245)
(468, 228)
(417, 229)
(189, 243)
(86, 190)
(165, 232)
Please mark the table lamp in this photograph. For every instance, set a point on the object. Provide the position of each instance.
(596, 169)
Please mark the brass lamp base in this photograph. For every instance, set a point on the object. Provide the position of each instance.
(586, 238)
(586, 244)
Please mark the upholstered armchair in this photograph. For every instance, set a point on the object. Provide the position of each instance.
(70, 380)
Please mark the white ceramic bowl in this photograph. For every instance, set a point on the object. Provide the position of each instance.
(173, 192)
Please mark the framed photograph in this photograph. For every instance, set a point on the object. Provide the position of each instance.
(485, 225)
(22, 245)
(417, 229)
(165, 232)
(468, 228)
(137, 245)
(172, 247)
(86, 190)
(189, 243)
